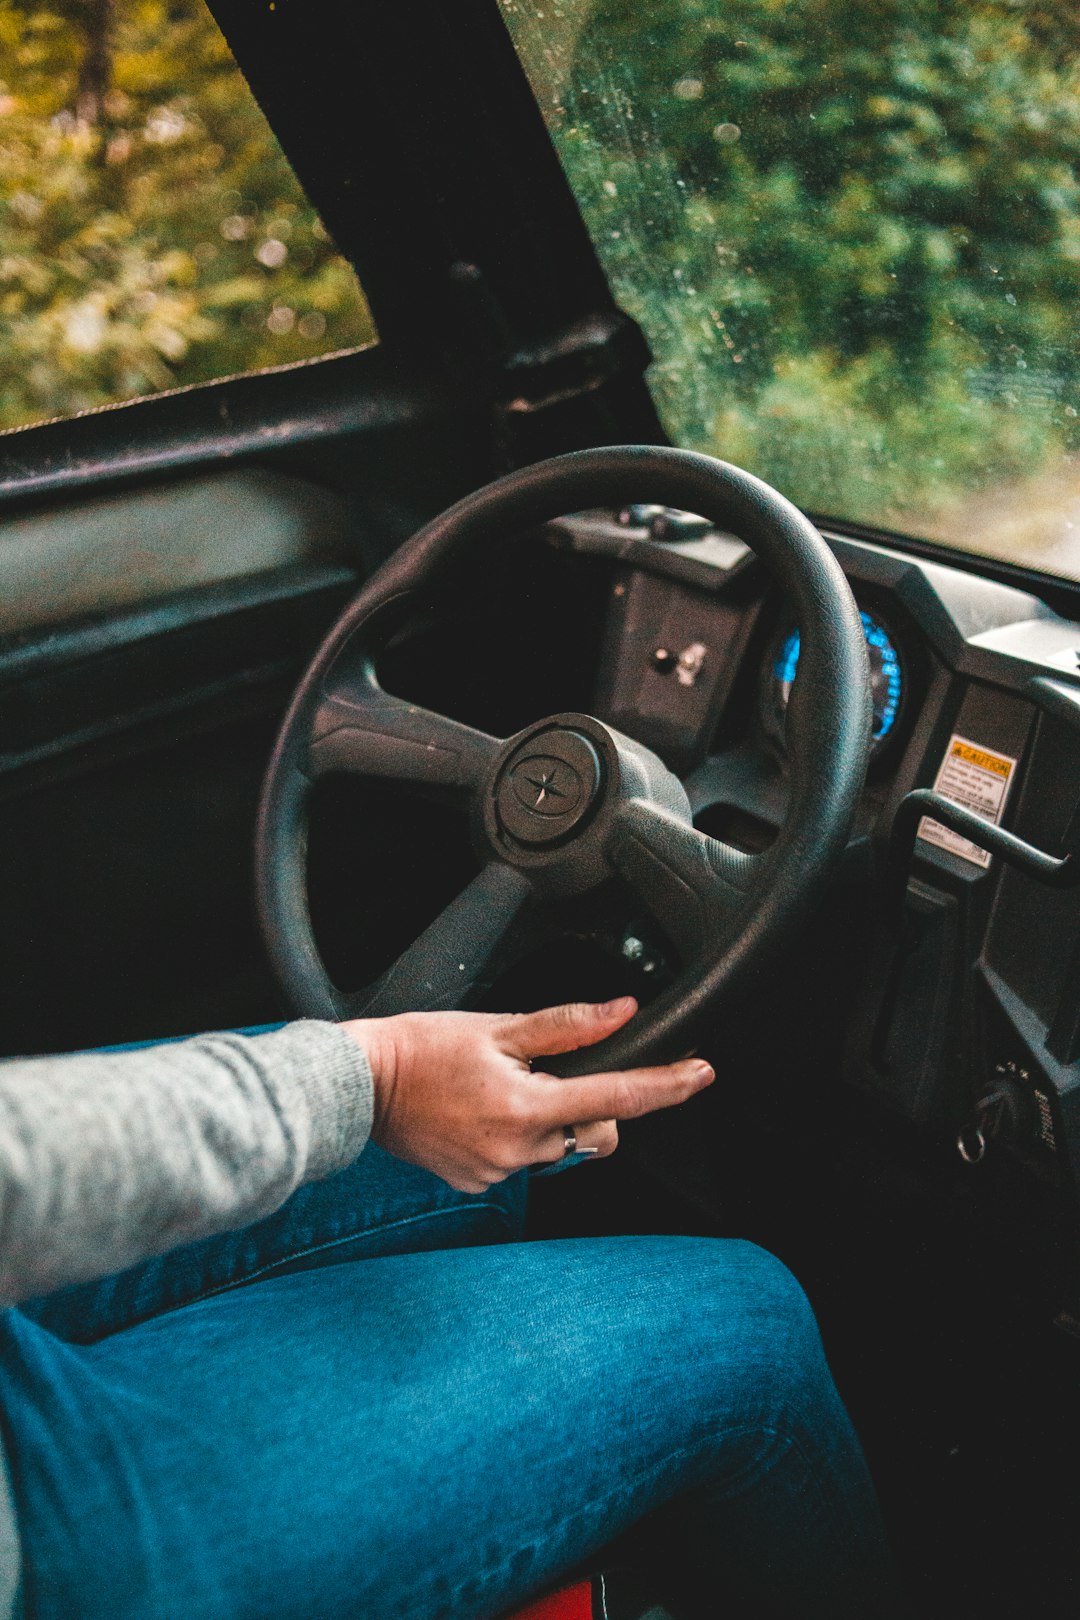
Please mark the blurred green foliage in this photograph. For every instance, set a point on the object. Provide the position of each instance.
(151, 232)
(851, 231)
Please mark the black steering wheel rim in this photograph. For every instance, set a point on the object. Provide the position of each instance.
(827, 735)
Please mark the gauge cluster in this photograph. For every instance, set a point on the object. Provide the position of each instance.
(888, 681)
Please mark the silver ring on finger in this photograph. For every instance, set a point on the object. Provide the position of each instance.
(570, 1145)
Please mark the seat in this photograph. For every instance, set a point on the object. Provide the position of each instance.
(611, 1595)
(570, 1603)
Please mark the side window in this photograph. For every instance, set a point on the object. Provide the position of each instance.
(152, 234)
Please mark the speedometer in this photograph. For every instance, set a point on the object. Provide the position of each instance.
(886, 675)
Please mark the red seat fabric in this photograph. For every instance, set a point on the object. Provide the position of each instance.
(572, 1603)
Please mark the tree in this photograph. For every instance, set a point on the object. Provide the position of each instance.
(151, 232)
(849, 228)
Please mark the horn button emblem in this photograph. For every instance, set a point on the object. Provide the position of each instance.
(547, 787)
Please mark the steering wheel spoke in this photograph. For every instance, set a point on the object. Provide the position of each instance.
(458, 956)
(692, 885)
(363, 729)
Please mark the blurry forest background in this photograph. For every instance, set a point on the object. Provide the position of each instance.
(151, 232)
(850, 229)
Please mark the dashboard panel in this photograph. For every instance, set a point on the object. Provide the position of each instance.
(966, 1022)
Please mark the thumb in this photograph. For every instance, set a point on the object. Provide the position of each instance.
(565, 1028)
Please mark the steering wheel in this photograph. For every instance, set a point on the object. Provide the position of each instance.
(566, 804)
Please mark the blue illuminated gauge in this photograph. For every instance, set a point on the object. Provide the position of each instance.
(886, 674)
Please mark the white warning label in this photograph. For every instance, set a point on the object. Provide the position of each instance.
(976, 778)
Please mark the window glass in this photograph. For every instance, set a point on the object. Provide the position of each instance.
(151, 232)
(851, 232)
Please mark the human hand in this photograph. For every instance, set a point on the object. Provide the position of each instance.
(454, 1092)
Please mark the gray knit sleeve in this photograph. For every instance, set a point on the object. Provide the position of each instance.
(109, 1158)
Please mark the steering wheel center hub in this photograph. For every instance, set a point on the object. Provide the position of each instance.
(547, 787)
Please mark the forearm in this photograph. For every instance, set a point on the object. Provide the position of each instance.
(109, 1158)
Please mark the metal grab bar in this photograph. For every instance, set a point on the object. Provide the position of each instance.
(1058, 873)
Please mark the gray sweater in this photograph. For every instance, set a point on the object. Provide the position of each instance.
(109, 1158)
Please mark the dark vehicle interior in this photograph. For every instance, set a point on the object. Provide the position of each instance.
(896, 1109)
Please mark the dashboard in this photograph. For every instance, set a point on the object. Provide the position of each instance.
(967, 1022)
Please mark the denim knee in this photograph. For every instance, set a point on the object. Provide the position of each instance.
(772, 1344)
(778, 1290)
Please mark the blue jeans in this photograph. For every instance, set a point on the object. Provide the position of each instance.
(372, 1406)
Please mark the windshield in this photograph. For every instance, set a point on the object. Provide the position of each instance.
(850, 231)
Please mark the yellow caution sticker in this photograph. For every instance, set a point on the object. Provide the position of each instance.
(977, 778)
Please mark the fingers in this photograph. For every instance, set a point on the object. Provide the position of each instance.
(598, 1140)
(565, 1028)
(455, 1094)
(624, 1095)
(547, 1108)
